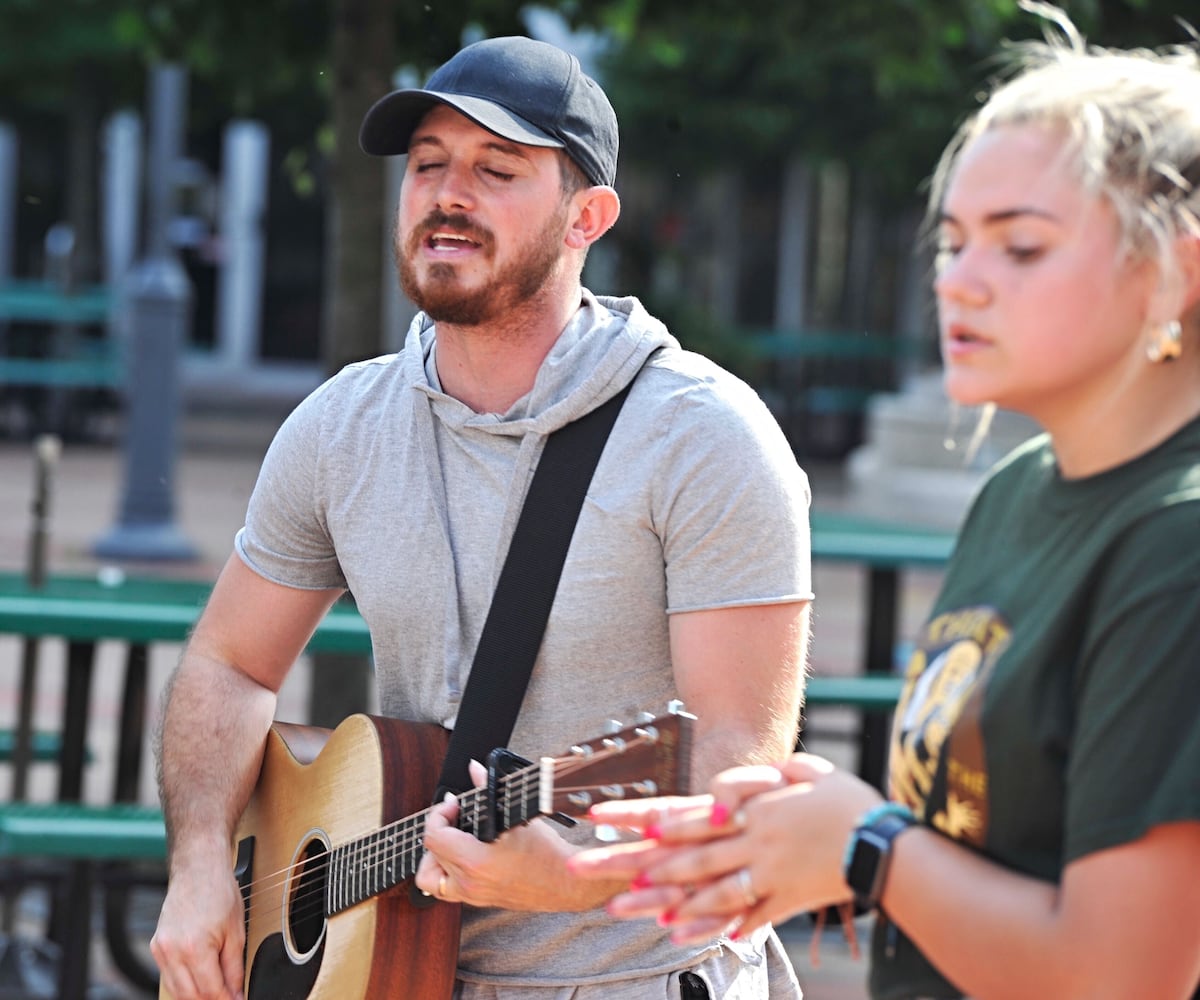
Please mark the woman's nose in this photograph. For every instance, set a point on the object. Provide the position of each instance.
(959, 278)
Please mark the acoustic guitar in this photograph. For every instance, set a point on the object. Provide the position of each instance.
(332, 836)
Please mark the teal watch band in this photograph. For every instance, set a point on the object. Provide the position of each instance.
(869, 851)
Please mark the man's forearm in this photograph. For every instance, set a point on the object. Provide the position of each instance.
(209, 752)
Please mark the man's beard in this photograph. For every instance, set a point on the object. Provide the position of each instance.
(441, 295)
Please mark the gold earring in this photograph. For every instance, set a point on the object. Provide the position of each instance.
(1168, 344)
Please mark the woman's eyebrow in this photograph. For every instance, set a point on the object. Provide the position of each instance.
(1003, 215)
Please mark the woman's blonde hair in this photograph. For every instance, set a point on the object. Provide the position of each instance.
(1132, 118)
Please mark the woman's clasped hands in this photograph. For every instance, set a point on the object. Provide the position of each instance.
(767, 843)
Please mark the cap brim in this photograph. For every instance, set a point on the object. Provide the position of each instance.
(388, 126)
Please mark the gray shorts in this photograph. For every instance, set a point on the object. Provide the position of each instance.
(714, 978)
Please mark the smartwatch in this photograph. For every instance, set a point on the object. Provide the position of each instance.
(869, 851)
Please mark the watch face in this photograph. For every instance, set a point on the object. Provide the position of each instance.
(863, 871)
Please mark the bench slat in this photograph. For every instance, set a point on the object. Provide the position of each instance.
(61, 372)
(43, 745)
(74, 830)
(877, 692)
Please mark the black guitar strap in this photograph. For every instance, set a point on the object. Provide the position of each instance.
(516, 621)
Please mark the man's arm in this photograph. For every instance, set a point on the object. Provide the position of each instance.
(218, 709)
(741, 670)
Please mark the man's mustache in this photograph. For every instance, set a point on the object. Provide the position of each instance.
(460, 225)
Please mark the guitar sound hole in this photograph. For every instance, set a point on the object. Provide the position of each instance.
(306, 906)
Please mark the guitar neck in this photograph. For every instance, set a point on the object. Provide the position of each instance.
(652, 758)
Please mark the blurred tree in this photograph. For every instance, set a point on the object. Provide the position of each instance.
(879, 85)
(697, 87)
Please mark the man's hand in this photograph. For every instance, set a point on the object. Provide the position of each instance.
(200, 938)
(524, 869)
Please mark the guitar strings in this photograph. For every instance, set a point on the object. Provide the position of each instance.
(396, 841)
(309, 901)
(413, 827)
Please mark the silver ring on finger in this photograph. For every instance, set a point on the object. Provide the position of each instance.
(746, 886)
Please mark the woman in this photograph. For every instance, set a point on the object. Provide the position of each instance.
(1042, 837)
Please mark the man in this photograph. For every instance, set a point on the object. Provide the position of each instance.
(401, 480)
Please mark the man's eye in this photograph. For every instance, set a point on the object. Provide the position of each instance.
(1024, 254)
(500, 175)
(424, 167)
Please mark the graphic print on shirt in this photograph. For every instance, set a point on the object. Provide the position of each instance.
(937, 765)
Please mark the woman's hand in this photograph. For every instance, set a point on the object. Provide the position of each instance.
(766, 844)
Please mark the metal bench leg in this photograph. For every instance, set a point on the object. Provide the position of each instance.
(76, 926)
(65, 912)
(882, 599)
(116, 881)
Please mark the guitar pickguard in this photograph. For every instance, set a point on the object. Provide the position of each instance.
(274, 976)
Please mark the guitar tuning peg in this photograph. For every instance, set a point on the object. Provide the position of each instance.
(613, 726)
(612, 791)
(645, 717)
(674, 707)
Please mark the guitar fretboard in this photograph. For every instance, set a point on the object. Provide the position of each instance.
(384, 858)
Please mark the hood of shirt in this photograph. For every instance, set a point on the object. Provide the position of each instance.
(598, 353)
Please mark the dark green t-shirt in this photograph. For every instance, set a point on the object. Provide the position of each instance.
(1053, 700)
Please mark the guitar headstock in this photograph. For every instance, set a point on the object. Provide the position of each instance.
(650, 758)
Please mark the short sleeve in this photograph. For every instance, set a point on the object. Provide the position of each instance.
(285, 538)
(1135, 758)
(733, 504)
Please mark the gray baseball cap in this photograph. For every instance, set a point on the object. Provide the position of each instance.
(523, 90)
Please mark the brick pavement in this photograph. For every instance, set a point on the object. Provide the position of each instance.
(214, 475)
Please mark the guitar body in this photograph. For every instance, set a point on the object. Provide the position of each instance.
(327, 847)
(369, 772)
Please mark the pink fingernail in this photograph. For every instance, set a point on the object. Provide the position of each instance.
(642, 881)
(666, 918)
(653, 832)
(719, 814)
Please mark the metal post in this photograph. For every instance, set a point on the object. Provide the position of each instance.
(8, 199)
(121, 182)
(243, 206)
(156, 313)
(46, 454)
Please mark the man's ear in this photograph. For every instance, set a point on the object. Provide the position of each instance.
(595, 209)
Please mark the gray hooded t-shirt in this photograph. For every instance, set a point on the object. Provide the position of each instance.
(381, 483)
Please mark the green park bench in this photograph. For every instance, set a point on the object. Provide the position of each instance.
(44, 302)
(867, 694)
(821, 382)
(85, 845)
(94, 841)
(43, 746)
(101, 371)
(115, 845)
(56, 351)
(118, 831)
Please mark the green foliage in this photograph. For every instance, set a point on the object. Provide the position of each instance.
(879, 85)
